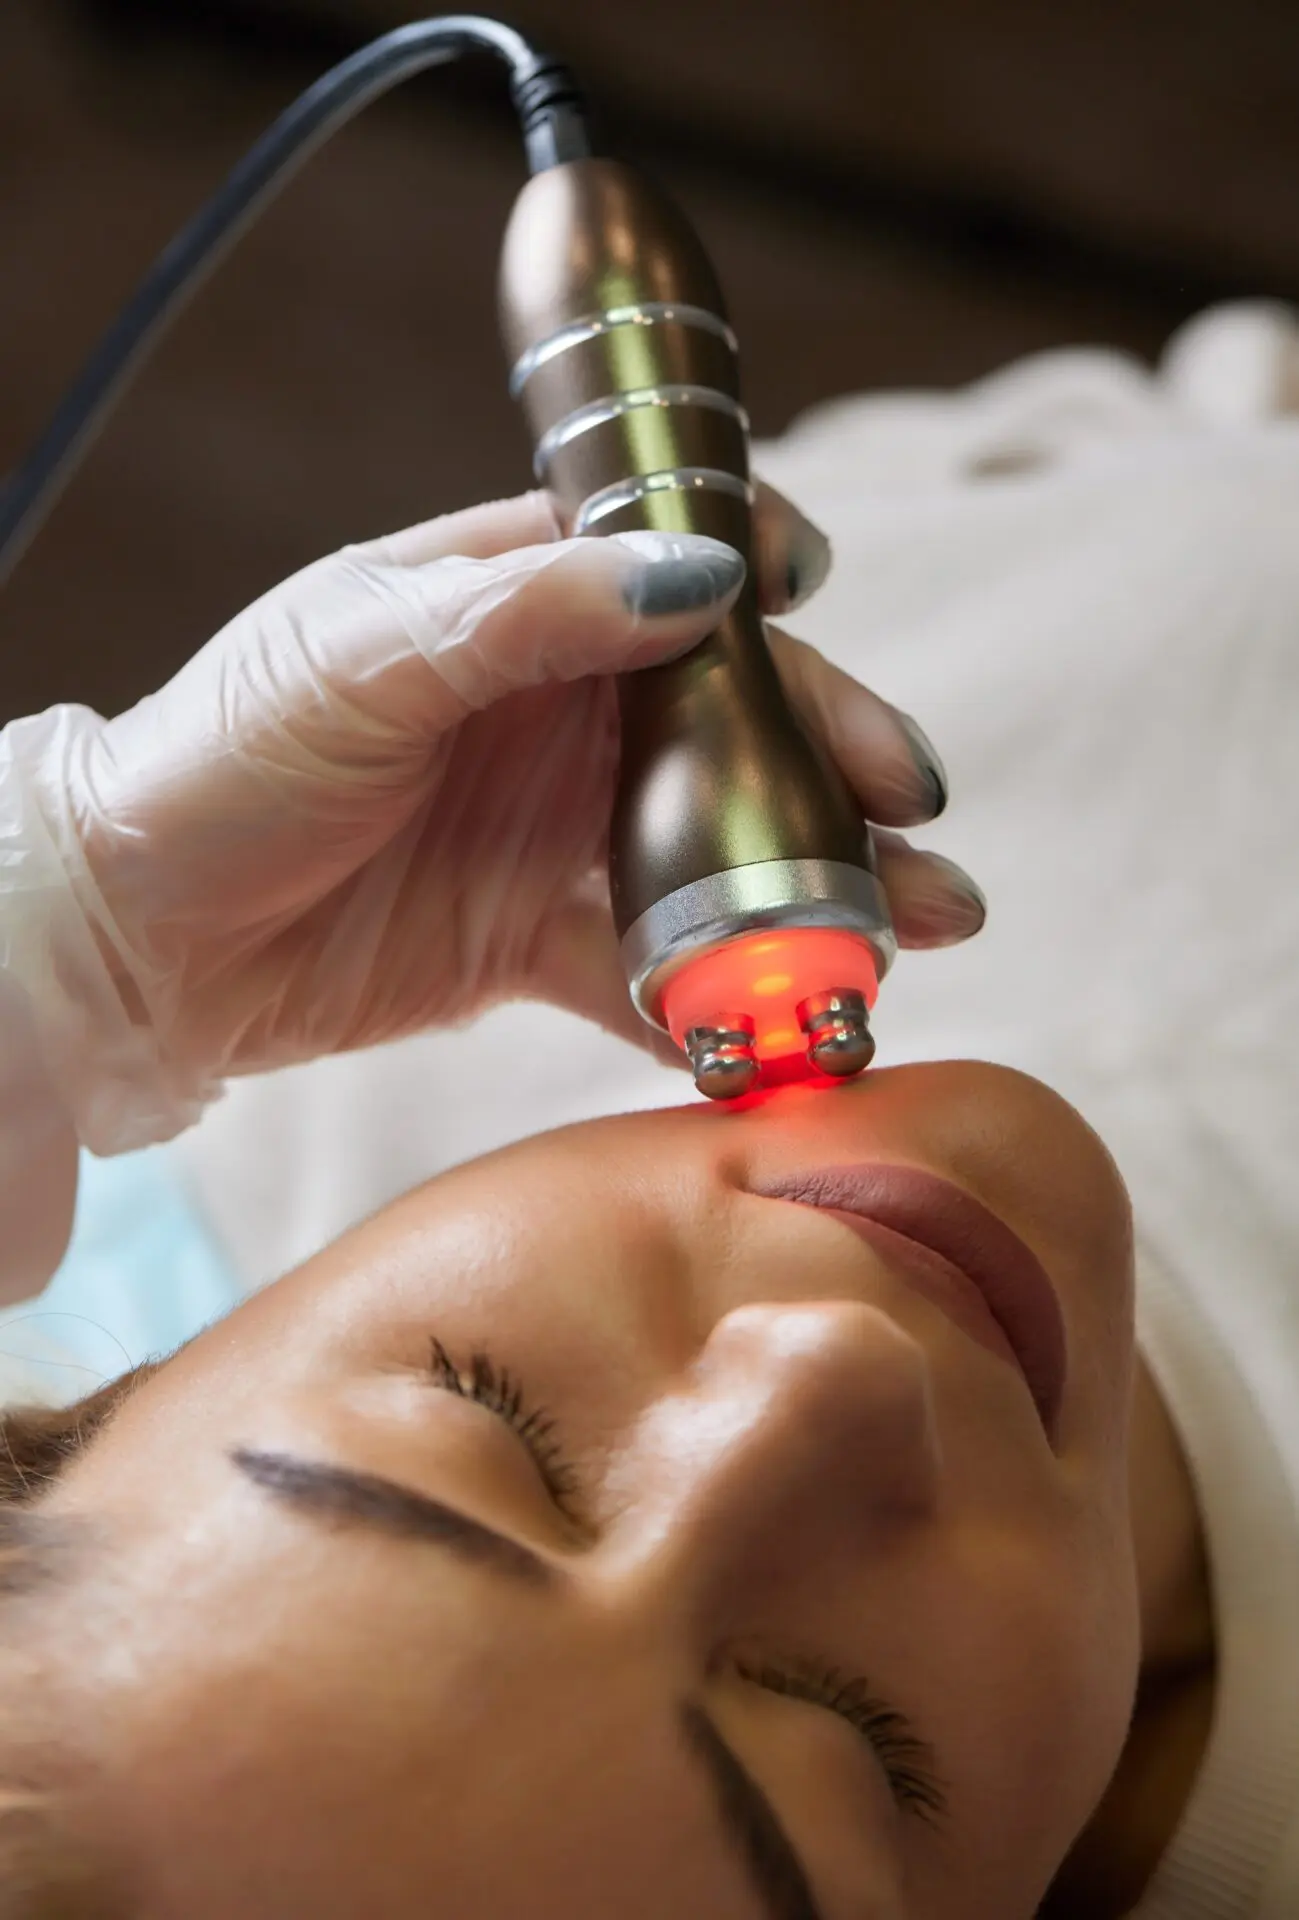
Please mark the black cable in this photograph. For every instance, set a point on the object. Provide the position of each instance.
(554, 130)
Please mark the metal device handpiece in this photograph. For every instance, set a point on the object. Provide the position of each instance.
(753, 926)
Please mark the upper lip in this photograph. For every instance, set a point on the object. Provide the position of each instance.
(952, 1223)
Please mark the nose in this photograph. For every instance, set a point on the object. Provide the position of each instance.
(802, 1433)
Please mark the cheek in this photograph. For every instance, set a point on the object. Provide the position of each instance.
(356, 1740)
(1034, 1673)
(376, 1756)
(1102, 1364)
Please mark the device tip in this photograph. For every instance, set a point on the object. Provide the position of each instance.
(837, 1025)
(722, 1058)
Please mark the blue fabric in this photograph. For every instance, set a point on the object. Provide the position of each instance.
(141, 1275)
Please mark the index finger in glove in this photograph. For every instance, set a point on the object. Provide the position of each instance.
(531, 615)
(791, 556)
(317, 706)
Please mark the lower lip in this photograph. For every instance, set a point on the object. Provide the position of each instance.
(938, 1280)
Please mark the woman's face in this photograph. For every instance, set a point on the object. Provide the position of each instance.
(602, 1530)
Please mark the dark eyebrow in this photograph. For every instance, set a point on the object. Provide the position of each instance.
(370, 1500)
(750, 1823)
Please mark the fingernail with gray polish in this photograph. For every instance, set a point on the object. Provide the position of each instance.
(958, 916)
(683, 585)
(930, 768)
(808, 564)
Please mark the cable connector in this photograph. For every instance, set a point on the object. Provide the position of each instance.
(552, 113)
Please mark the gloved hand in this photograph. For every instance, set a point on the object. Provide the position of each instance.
(378, 800)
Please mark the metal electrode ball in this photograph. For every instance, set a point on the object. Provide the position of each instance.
(722, 1058)
(837, 1025)
(730, 820)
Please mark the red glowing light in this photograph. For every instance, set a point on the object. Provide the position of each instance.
(771, 983)
(778, 970)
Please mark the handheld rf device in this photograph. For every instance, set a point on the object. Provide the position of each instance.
(753, 926)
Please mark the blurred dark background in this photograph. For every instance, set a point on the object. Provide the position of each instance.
(924, 190)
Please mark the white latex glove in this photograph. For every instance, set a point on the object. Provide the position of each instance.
(378, 800)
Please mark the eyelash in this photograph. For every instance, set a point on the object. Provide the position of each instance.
(500, 1392)
(903, 1756)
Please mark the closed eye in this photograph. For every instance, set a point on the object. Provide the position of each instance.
(906, 1759)
(501, 1393)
